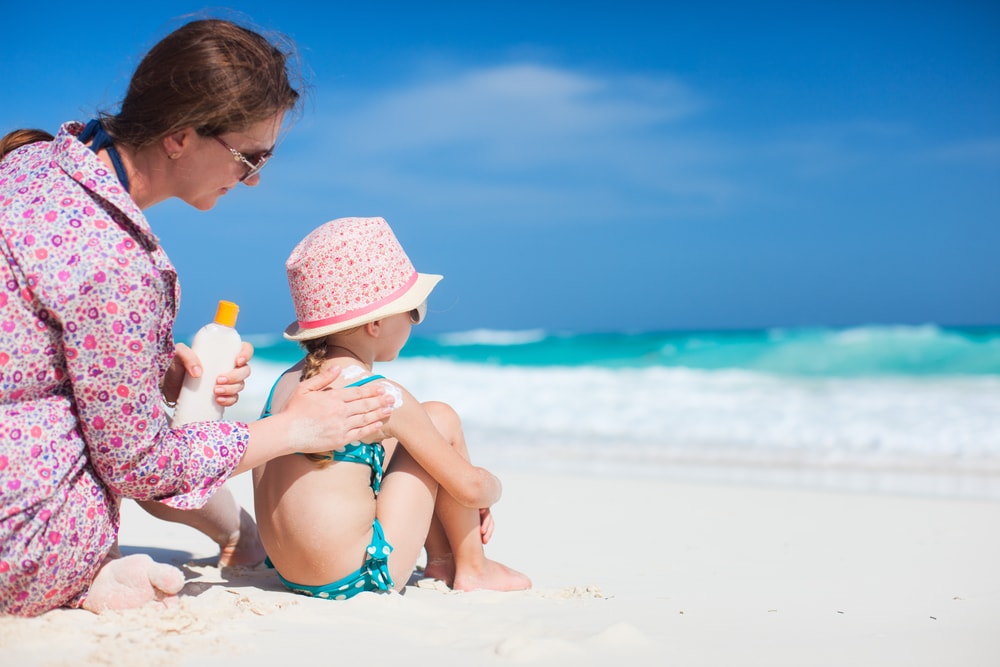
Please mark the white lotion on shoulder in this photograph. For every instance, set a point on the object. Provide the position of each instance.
(352, 373)
(394, 391)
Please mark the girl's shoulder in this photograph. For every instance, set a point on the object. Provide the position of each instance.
(356, 376)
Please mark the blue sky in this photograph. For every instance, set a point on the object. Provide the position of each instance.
(596, 166)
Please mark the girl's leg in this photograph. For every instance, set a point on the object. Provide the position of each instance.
(404, 508)
(224, 521)
(461, 551)
(440, 560)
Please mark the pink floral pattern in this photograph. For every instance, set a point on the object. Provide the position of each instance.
(87, 305)
(326, 257)
(350, 271)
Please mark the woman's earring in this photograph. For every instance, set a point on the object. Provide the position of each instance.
(173, 156)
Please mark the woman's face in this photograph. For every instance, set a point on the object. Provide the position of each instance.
(215, 170)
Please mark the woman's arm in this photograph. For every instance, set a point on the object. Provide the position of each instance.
(318, 418)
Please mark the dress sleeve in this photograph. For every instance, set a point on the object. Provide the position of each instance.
(112, 316)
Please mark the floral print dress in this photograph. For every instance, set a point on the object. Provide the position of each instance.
(87, 304)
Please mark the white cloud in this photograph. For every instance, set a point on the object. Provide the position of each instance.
(491, 143)
(984, 151)
(528, 136)
(511, 110)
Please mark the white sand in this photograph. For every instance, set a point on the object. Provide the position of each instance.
(653, 573)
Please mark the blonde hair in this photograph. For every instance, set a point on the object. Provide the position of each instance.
(311, 365)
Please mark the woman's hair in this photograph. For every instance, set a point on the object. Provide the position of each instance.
(210, 74)
(17, 138)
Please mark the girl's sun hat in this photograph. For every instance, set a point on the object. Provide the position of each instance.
(348, 272)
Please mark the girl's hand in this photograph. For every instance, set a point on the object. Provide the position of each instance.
(485, 524)
(227, 386)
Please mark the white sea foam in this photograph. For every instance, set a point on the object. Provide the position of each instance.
(928, 434)
(493, 337)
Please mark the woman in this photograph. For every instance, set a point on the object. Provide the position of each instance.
(87, 304)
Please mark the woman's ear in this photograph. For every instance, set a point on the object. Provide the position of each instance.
(374, 328)
(176, 142)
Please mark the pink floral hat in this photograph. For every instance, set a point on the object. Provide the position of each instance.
(349, 272)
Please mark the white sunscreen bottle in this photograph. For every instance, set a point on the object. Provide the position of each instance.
(216, 344)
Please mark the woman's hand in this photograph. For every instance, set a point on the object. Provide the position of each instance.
(227, 386)
(317, 417)
(323, 417)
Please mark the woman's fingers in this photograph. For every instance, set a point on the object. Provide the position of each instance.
(227, 395)
(320, 381)
(188, 360)
(174, 377)
(339, 415)
(245, 354)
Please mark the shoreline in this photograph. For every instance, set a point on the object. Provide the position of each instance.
(652, 571)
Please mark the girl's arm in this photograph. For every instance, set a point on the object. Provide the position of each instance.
(472, 486)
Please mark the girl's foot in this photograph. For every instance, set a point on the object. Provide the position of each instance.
(442, 569)
(491, 576)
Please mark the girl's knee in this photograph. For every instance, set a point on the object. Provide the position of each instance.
(445, 419)
(448, 424)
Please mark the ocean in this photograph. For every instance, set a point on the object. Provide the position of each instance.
(875, 409)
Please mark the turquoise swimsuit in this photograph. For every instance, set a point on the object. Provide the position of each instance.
(374, 574)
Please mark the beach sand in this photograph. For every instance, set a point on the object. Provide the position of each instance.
(650, 572)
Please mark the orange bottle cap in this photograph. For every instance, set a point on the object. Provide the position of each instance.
(226, 313)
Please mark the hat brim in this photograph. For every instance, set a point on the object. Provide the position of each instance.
(408, 301)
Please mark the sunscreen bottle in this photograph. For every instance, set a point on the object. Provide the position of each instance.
(216, 344)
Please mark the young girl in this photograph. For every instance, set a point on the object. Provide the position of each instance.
(331, 523)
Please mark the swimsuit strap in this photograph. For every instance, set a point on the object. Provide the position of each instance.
(94, 132)
(364, 381)
(270, 394)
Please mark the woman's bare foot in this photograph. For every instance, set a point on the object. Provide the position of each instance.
(242, 547)
(130, 582)
(223, 521)
(490, 576)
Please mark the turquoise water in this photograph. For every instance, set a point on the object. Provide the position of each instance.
(863, 351)
(910, 408)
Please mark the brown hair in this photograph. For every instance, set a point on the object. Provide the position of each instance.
(312, 364)
(315, 355)
(17, 138)
(210, 74)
